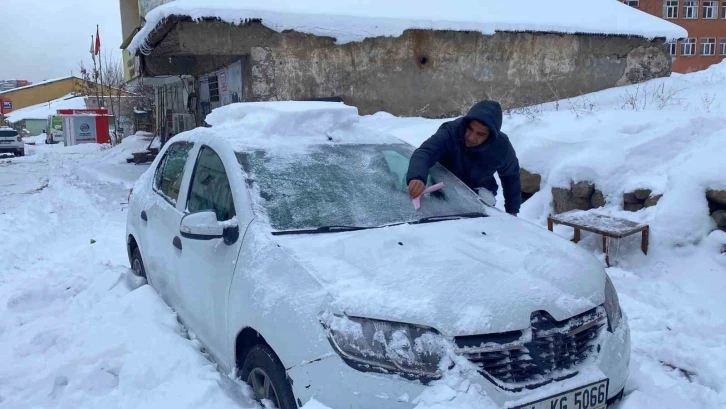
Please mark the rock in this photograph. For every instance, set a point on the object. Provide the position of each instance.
(719, 216)
(642, 194)
(565, 201)
(633, 207)
(530, 181)
(718, 196)
(597, 199)
(583, 189)
(630, 198)
(652, 201)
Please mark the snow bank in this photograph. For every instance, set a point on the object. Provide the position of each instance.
(349, 21)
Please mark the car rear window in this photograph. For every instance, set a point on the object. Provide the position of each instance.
(5, 132)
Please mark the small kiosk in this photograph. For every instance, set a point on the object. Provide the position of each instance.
(85, 126)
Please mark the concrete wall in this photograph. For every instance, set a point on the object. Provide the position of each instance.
(426, 73)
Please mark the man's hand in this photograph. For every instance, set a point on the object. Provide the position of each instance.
(416, 188)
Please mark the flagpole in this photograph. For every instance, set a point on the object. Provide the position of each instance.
(95, 70)
(100, 66)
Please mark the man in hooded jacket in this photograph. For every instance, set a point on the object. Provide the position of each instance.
(472, 148)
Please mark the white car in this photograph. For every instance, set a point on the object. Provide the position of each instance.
(11, 142)
(284, 238)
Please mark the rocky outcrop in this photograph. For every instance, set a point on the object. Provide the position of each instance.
(718, 196)
(639, 199)
(579, 196)
(530, 181)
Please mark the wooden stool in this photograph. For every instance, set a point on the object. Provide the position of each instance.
(606, 226)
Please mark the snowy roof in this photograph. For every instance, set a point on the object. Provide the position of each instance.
(36, 84)
(352, 20)
(42, 111)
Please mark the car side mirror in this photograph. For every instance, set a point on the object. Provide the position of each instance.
(201, 226)
(204, 226)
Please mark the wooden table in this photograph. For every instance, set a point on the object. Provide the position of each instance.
(606, 226)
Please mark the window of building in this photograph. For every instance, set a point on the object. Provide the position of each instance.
(690, 9)
(708, 46)
(671, 9)
(213, 89)
(723, 9)
(710, 9)
(688, 47)
(632, 3)
(723, 46)
(673, 47)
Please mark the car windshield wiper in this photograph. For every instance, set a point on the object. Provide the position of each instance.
(431, 219)
(323, 229)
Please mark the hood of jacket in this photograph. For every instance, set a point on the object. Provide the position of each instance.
(488, 113)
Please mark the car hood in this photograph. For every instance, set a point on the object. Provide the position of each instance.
(462, 277)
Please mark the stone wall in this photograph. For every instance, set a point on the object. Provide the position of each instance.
(423, 72)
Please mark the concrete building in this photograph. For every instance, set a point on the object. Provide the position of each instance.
(705, 21)
(419, 72)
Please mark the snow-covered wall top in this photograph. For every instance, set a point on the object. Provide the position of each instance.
(356, 20)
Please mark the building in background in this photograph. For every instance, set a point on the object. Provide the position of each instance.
(7, 85)
(705, 22)
(247, 54)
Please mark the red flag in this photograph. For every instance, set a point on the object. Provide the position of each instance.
(98, 43)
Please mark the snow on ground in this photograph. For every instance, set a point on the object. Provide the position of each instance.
(348, 21)
(78, 330)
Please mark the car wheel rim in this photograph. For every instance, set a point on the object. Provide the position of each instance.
(137, 267)
(262, 386)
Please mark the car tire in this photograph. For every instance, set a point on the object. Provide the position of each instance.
(260, 363)
(137, 264)
(21, 153)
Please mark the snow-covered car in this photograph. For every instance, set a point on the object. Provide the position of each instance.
(11, 142)
(284, 238)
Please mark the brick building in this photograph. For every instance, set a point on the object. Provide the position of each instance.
(705, 21)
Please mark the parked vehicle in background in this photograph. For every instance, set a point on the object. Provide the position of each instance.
(11, 142)
(285, 240)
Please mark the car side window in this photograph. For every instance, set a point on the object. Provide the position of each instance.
(170, 172)
(210, 188)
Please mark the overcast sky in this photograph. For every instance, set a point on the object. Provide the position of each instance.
(44, 39)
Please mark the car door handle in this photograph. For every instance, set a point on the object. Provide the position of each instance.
(177, 242)
(143, 216)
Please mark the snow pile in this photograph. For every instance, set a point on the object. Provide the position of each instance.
(36, 140)
(349, 21)
(138, 142)
(43, 110)
(285, 125)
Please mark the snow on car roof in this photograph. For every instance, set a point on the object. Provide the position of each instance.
(287, 125)
(353, 20)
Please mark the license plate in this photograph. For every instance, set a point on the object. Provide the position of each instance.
(6, 141)
(592, 396)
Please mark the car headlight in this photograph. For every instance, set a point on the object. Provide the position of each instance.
(612, 304)
(392, 346)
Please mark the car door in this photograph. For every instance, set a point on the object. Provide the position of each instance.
(163, 217)
(207, 266)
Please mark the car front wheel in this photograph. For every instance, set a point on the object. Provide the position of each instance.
(264, 372)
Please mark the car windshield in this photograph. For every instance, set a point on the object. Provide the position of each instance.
(7, 133)
(360, 185)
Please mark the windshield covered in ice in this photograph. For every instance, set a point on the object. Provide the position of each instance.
(346, 185)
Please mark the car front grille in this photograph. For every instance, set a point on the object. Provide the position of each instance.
(548, 350)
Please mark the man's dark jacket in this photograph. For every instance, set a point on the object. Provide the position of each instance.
(474, 166)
